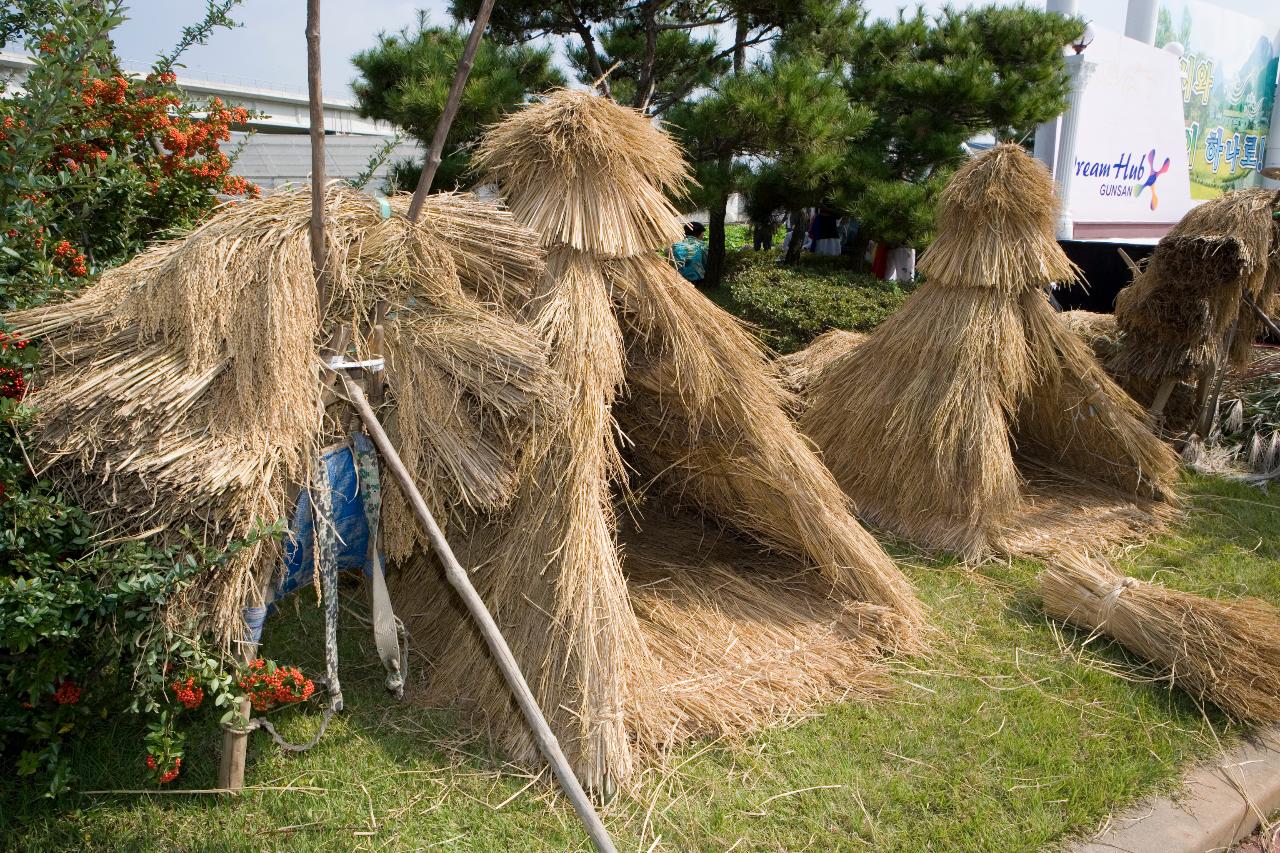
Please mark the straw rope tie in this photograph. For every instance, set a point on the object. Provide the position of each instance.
(1109, 600)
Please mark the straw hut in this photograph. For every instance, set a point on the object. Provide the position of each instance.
(183, 391)
(1188, 310)
(973, 419)
(762, 598)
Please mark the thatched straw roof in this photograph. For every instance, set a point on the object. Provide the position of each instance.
(932, 423)
(668, 396)
(182, 390)
(587, 177)
(1176, 315)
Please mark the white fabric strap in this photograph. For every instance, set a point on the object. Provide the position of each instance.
(337, 362)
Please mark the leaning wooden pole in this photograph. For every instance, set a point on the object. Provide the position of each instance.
(461, 582)
(450, 111)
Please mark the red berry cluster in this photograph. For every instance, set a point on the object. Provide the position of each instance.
(51, 41)
(168, 775)
(68, 693)
(74, 260)
(13, 383)
(188, 693)
(268, 685)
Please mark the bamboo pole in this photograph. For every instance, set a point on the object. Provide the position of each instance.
(1162, 397)
(461, 582)
(1209, 404)
(450, 111)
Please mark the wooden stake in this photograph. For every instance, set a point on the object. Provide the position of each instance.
(235, 745)
(315, 97)
(461, 582)
(450, 111)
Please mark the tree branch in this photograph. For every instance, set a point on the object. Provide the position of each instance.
(693, 25)
(689, 82)
(589, 45)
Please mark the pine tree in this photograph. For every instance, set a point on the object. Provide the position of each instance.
(932, 85)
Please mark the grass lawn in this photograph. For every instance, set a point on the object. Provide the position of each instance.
(1008, 737)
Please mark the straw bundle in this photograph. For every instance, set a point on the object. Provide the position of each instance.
(1099, 331)
(697, 410)
(1224, 652)
(799, 369)
(1176, 315)
(183, 390)
(928, 423)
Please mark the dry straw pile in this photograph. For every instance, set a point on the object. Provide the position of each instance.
(691, 629)
(937, 423)
(1177, 316)
(183, 389)
(1224, 652)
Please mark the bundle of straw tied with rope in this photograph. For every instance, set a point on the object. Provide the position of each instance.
(976, 420)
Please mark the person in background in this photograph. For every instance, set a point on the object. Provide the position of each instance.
(690, 254)
(762, 234)
(825, 231)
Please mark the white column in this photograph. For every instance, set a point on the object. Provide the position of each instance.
(1140, 22)
(1047, 133)
(1079, 69)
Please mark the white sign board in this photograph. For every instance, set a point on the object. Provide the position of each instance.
(1130, 177)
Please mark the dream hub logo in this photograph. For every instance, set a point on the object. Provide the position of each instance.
(1151, 179)
(1122, 172)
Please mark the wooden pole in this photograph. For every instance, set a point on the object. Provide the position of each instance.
(1262, 315)
(450, 111)
(461, 582)
(315, 97)
(1162, 397)
(1209, 402)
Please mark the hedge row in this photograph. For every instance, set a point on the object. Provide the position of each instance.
(792, 305)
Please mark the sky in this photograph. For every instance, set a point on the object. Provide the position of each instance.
(270, 49)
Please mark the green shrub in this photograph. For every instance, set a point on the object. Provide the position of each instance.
(792, 305)
(93, 164)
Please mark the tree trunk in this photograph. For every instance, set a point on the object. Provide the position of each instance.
(740, 45)
(715, 240)
(799, 225)
(717, 212)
